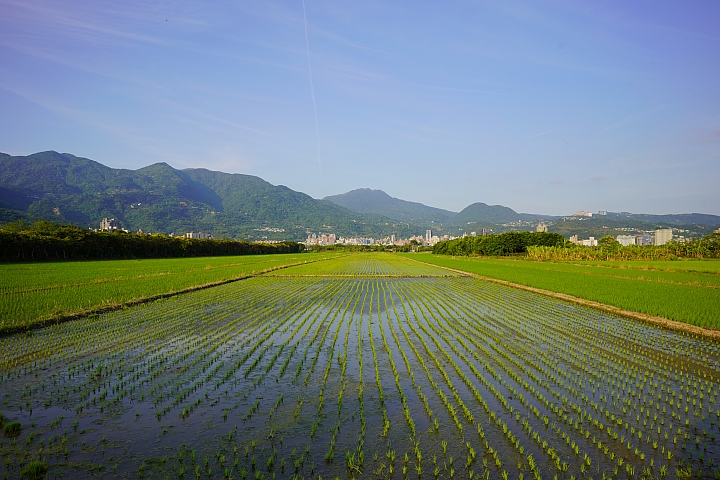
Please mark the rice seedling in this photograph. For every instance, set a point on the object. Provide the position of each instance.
(486, 377)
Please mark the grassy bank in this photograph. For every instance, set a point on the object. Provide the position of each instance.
(33, 293)
(685, 291)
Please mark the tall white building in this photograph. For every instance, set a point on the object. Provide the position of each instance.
(626, 240)
(663, 236)
(428, 235)
(109, 224)
(590, 242)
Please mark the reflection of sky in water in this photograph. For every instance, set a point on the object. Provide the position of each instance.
(227, 347)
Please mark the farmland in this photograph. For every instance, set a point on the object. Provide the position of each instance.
(35, 292)
(685, 291)
(364, 366)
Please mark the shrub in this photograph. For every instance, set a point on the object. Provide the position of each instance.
(12, 428)
(35, 470)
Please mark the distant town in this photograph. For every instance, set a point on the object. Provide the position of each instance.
(652, 237)
(113, 224)
(655, 237)
(428, 240)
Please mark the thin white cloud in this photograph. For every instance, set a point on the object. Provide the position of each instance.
(537, 135)
(634, 116)
(94, 68)
(49, 19)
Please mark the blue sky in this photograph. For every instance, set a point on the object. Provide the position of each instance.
(545, 107)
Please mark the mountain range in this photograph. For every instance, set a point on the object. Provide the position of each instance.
(365, 200)
(159, 198)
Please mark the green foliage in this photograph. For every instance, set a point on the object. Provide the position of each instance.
(686, 296)
(49, 241)
(396, 365)
(483, 213)
(34, 293)
(365, 200)
(502, 244)
(12, 429)
(712, 244)
(35, 470)
(608, 241)
(159, 198)
(609, 249)
(599, 226)
(366, 264)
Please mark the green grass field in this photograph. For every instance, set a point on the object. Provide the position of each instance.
(379, 368)
(365, 265)
(686, 291)
(31, 293)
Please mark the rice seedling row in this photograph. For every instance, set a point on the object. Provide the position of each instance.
(373, 376)
(366, 265)
(30, 293)
(688, 296)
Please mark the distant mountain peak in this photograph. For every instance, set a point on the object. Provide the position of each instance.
(378, 202)
(160, 198)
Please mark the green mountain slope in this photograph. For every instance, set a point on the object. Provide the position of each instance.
(365, 200)
(159, 198)
(669, 219)
(482, 213)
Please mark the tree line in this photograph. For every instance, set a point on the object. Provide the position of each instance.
(43, 241)
(507, 243)
(553, 246)
(610, 249)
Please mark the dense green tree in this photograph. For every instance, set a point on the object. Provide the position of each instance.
(49, 241)
(608, 242)
(706, 247)
(503, 244)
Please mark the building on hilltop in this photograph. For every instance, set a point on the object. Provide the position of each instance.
(663, 236)
(541, 227)
(109, 224)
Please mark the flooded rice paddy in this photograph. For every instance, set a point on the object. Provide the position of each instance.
(379, 367)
